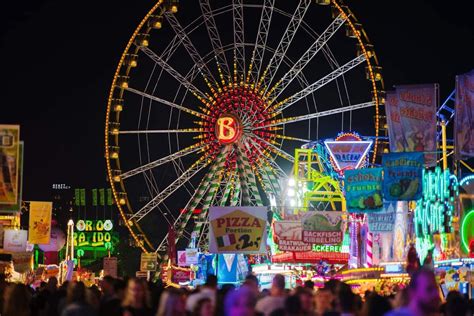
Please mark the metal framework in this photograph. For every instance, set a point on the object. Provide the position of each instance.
(236, 173)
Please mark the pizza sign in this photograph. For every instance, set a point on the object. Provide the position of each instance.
(237, 230)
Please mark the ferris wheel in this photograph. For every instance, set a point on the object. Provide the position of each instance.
(209, 101)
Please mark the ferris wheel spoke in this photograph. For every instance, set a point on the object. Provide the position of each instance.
(261, 173)
(318, 84)
(174, 73)
(312, 51)
(285, 42)
(300, 118)
(213, 33)
(164, 131)
(270, 162)
(250, 193)
(280, 152)
(161, 161)
(191, 49)
(168, 103)
(175, 185)
(261, 41)
(239, 40)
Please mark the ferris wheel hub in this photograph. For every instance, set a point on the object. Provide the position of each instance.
(228, 128)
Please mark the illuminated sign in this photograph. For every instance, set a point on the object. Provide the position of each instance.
(228, 129)
(347, 151)
(95, 235)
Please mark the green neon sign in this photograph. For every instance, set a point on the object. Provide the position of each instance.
(467, 229)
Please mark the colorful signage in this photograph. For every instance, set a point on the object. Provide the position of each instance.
(464, 116)
(383, 221)
(363, 190)
(110, 266)
(9, 163)
(322, 227)
(403, 175)
(411, 116)
(14, 240)
(237, 229)
(192, 256)
(95, 235)
(228, 129)
(347, 151)
(40, 222)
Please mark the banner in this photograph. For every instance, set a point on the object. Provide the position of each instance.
(237, 230)
(14, 240)
(403, 176)
(102, 197)
(411, 117)
(94, 197)
(464, 116)
(363, 190)
(83, 197)
(383, 221)
(77, 197)
(109, 197)
(17, 205)
(9, 163)
(322, 227)
(40, 222)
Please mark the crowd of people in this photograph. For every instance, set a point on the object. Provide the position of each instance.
(136, 297)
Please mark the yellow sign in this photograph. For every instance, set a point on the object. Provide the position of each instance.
(40, 222)
(237, 229)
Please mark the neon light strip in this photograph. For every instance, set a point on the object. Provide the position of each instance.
(368, 143)
(466, 179)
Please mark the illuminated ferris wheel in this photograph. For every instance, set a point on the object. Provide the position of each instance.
(209, 102)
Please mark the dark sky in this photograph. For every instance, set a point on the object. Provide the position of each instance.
(58, 59)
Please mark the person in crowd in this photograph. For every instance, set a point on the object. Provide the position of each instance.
(93, 296)
(456, 305)
(54, 297)
(62, 293)
(172, 303)
(110, 301)
(203, 308)
(137, 299)
(292, 307)
(277, 297)
(207, 291)
(375, 305)
(424, 299)
(252, 282)
(323, 299)
(219, 309)
(16, 300)
(305, 296)
(346, 302)
(240, 302)
(76, 301)
(309, 285)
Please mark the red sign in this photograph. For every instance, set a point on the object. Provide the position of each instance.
(311, 257)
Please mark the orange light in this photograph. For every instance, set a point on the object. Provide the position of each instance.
(228, 129)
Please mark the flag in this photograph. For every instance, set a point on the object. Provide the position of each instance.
(109, 197)
(40, 222)
(102, 197)
(83, 197)
(77, 197)
(94, 197)
(411, 117)
(226, 240)
(464, 116)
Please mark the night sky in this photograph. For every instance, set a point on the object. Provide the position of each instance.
(58, 60)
